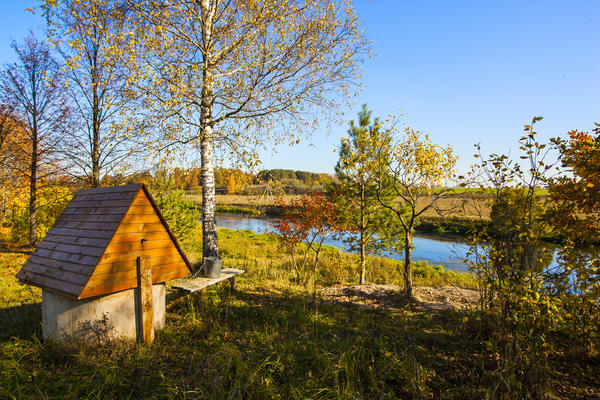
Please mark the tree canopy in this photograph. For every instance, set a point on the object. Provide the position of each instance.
(238, 74)
(417, 172)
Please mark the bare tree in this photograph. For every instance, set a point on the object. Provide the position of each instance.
(235, 74)
(33, 87)
(8, 125)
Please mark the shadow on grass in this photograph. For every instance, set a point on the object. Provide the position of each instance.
(367, 351)
(24, 321)
(256, 343)
(9, 247)
(21, 250)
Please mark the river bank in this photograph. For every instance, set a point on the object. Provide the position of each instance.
(452, 227)
(446, 251)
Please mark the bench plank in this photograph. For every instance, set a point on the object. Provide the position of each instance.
(195, 284)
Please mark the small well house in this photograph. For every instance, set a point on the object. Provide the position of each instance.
(103, 264)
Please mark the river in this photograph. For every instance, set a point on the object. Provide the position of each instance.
(433, 249)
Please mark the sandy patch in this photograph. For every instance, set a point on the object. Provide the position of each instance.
(425, 298)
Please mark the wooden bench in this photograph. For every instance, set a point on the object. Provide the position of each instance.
(194, 285)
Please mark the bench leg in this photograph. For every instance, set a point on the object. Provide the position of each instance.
(232, 283)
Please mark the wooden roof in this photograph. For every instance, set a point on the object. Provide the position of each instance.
(92, 248)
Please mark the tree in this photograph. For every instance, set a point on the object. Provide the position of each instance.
(576, 197)
(235, 181)
(95, 39)
(358, 199)
(573, 213)
(514, 247)
(13, 184)
(237, 74)
(416, 171)
(513, 250)
(11, 134)
(8, 123)
(522, 293)
(34, 88)
(310, 219)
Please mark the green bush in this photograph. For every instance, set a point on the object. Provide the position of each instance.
(181, 214)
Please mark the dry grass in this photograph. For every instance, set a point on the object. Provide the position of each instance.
(244, 201)
(455, 206)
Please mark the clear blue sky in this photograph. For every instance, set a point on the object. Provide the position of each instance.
(464, 71)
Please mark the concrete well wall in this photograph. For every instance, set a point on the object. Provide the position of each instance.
(116, 315)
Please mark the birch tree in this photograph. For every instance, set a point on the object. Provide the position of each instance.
(95, 39)
(34, 87)
(235, 74)
(417, 172)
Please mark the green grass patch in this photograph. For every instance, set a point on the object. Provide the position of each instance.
(233, 209)
(262, 256)
(452, 226)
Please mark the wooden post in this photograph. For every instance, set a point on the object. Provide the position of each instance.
(144, 273)
(232, 283)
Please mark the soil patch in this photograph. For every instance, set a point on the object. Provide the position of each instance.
(426, 298)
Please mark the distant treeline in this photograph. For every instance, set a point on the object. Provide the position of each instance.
(308, 178)
(233, 180)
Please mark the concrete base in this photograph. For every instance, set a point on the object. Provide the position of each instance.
(115, 315)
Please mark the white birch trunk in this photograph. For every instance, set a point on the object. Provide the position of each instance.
(210, 245)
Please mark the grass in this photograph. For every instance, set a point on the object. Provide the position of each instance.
(259, 344)
(261, 254)
(269, 340)
(19, 304)
(253, 201)
(224, 208)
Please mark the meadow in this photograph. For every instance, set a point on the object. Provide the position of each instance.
(461, 204)
(270, 339)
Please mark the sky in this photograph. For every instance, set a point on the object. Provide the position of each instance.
(465, 72)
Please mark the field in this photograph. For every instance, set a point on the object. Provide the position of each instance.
(269, 340)
(459, 205)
